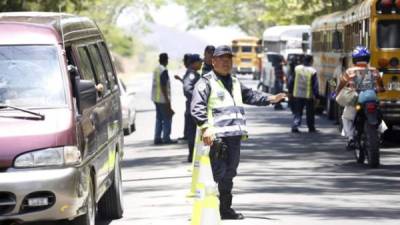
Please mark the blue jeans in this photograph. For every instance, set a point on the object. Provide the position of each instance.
(163, 122)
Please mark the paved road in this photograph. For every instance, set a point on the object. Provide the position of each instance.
(283, 178)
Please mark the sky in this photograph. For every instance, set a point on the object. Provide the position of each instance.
(169, 31)
(175, 16)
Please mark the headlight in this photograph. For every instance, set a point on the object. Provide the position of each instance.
(61, 156)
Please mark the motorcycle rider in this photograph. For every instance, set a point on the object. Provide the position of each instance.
(357, 77)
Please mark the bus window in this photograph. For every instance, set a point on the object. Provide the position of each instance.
(388, 34)
(235, 49)
(366, 33)
(337, 40)
(247, 49)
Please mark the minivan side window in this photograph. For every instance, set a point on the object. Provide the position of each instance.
(85, 65)
(98, 67)
(107, 64)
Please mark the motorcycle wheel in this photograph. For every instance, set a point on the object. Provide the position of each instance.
(359, 152)
(372, 145)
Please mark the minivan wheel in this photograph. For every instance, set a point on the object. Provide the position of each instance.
(111, 204)
(90, 216)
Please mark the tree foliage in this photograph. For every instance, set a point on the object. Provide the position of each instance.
(254, 16)
(104, 12)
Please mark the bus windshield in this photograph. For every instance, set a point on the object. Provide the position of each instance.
(388, 34)
(247, 49)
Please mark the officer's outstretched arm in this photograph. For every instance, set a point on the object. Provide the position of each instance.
(277, 98)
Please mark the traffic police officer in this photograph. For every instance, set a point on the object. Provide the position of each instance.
(186, 58)
(189, 80)
(305, 89)
(217, 107)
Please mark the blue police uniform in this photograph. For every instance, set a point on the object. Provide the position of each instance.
(189, 80)
(224, 169)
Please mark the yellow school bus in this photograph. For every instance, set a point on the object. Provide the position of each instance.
(372, 23)
(247, 58)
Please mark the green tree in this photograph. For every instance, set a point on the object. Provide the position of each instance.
(253, 16)
(43, 5)
(104, 12)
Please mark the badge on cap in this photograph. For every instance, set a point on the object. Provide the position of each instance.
(191, 77)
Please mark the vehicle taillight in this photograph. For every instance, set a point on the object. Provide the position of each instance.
(371, 107)
(387, 3)
(383, 63)
(397, 2)
(394, 62)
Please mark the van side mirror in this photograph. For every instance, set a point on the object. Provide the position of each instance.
(84, 91)
(87, 94)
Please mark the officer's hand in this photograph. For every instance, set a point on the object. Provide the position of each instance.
(277, 98)
(208, 137)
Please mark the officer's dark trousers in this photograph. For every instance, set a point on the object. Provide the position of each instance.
(191, 130)
(224, 170)
(298, 107)
(185, 131)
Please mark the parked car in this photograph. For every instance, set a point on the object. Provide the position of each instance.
(61, 139)
(128, 108)
(267, 79)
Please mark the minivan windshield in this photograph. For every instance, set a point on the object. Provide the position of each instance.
(30, 77)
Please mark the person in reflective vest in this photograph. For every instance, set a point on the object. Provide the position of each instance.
(217, 108)
(161, 96)
(305, 89)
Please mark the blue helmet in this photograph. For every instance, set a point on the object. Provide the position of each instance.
(360, 54)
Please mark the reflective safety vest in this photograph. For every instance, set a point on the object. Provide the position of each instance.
(225, 111)
(156, 94)
(302, 82)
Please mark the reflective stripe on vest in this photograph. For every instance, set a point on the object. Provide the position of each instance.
(226, 112)
(302, 82)
(156, 94)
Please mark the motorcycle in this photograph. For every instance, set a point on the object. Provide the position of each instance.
(367, 121)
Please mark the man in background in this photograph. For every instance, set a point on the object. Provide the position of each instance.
(161, 96)
(208, 54)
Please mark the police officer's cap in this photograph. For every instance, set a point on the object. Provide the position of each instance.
(223, 50)
(194, 58)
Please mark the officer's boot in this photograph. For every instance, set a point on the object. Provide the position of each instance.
(227, 213)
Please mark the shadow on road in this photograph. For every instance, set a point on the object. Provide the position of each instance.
(317, 168)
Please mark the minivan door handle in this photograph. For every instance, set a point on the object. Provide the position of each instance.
(93, 120)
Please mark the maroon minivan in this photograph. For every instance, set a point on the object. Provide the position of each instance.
(61, 138)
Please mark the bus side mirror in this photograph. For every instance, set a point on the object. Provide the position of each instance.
(305, 36)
